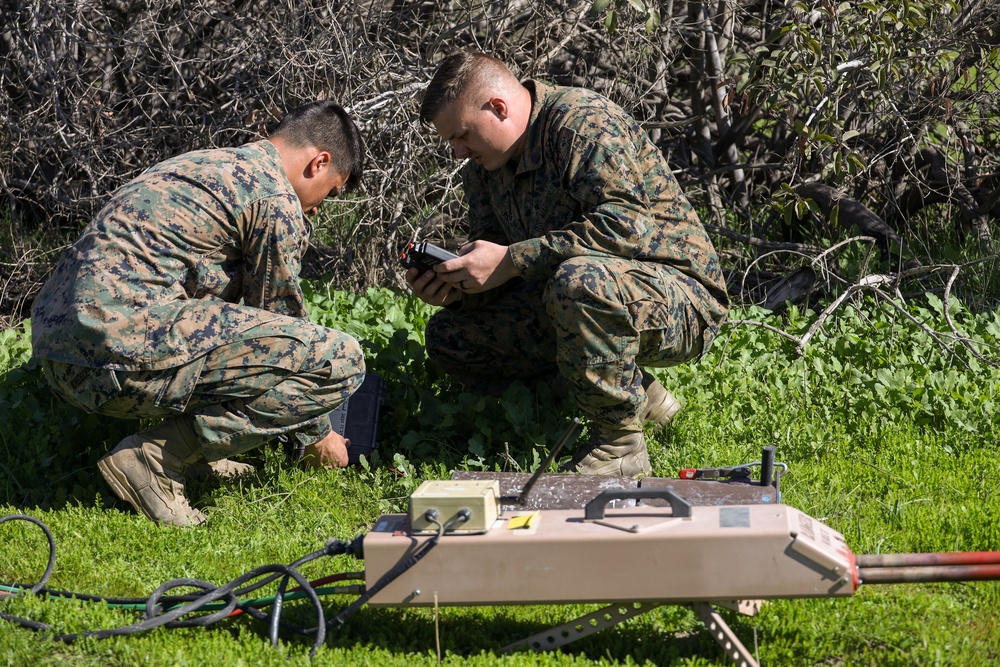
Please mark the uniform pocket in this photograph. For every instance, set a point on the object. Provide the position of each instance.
(82, 387)
(178, 386)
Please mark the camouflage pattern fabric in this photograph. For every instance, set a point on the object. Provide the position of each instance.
(576, 324)
(279, 378)
(617, 270)
(182, 296)
(155, 279)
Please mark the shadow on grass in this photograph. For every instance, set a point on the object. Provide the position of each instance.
(468, 632)
(48, 449)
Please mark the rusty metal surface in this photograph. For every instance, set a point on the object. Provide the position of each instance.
(929, 559)
(928, 574)
(568, 491)
(710, 491)
(551, 491)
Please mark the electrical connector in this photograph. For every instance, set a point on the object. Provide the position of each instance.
(462, 506)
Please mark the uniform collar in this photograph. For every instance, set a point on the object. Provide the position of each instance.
(282, 178)
(531, 157)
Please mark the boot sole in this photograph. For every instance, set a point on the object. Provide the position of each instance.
(611, 471)
(220, 469)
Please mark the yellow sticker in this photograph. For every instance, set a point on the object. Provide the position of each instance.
(522, 521)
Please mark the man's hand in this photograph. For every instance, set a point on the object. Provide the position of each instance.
(330, 452)
(430, 289)
(480, 266)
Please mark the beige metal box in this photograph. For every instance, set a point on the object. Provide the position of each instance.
(449, 497)
(746, 552)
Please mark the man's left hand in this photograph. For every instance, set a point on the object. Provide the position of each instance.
(430, 289)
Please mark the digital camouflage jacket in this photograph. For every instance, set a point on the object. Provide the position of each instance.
(156, 279)
(590, 182)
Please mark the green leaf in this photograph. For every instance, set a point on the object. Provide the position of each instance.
(653, 23)
(599, 8)
(611, 22)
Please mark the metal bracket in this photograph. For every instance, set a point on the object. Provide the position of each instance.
(601, 619)
(584, 626)
(724, 635)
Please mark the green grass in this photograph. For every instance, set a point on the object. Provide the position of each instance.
(888, 439)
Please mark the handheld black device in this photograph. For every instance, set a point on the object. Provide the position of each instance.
(424, 255)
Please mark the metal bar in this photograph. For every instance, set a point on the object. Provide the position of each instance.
(928, 574)
(582, 627)
(907, 560)
(724, 635)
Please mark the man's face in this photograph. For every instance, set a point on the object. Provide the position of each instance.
(476, 132)
(327, 183)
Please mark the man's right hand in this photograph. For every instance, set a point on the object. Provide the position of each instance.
(330, 452)
(430, 289)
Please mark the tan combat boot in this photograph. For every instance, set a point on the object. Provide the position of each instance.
(223, 468)
(661, 406)
(147, 469)
(613, 451)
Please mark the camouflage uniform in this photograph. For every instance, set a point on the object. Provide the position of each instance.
(616, 270)
(142, 317)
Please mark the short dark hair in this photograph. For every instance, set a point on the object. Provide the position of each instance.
(453, 77)
(327, 126)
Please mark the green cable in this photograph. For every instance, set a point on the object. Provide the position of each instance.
(258, 602)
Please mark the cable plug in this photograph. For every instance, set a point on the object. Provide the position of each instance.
(461, 516)
(355, 547)
(334, 547)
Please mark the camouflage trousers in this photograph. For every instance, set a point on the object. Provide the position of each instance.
(279, 378)
(595, 322)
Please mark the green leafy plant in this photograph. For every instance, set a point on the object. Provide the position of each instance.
(889, 438)
(612, 10)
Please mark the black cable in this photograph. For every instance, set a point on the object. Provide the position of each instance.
(33, 589)
(276, 607)
(212, 595)
(52, 548)
(461, 516)
(191, 603)
(184, 605)
(152, 608)
(32, 625)
(332, 548)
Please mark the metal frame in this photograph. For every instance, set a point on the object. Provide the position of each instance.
(589, 624)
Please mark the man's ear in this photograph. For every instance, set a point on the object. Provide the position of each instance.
(498, 106)
(318, 164)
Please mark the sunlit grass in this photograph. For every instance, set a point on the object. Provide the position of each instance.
(887, 439)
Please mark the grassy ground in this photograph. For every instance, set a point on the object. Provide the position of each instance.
(888, 440)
